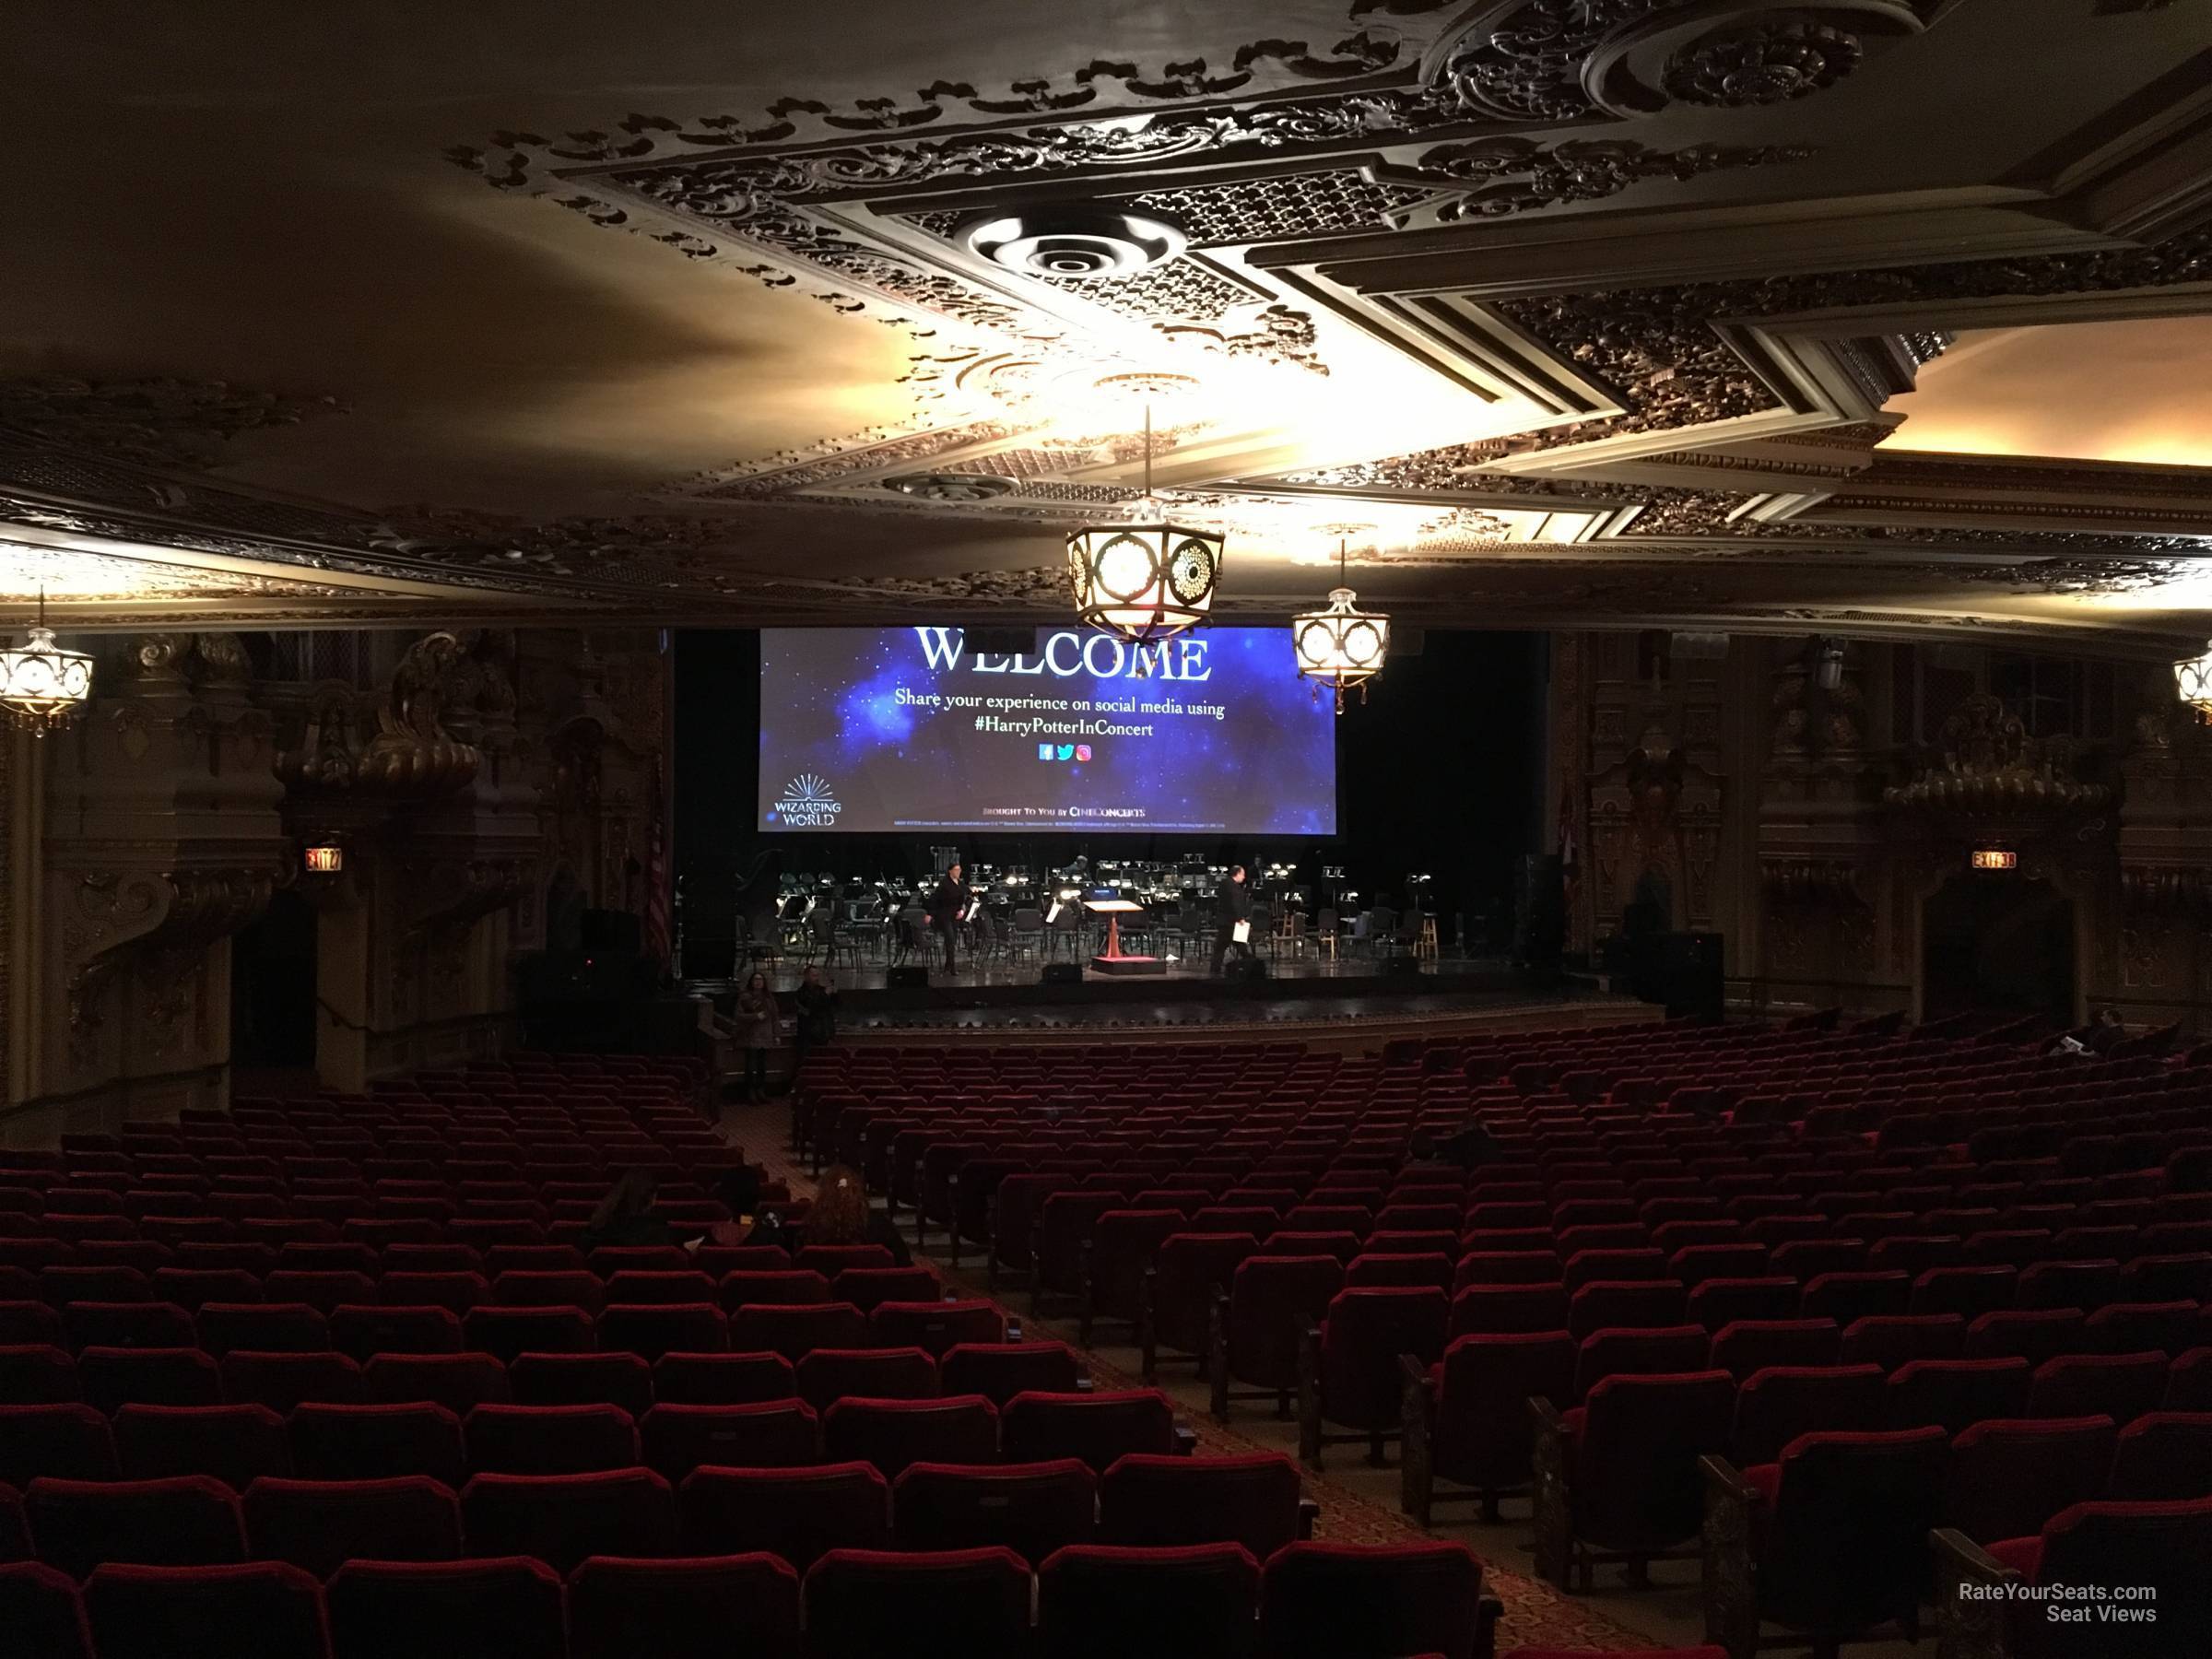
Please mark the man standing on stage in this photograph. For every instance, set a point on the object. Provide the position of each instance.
(1233, 900)
(945, 907)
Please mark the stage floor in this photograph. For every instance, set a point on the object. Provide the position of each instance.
(1304, 998)
(999, 973)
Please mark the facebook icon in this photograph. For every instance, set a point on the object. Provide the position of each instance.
(1045, 751)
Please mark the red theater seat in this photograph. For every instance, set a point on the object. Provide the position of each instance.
(185, 1521)
(40, 1611)
(688, 1607)
(1831, 1539)
(562, 1519)
(342, 1441)
(548, 1439)
(1349, 1601)
(864, 1604)
(891, 1434)
(2008, 1475)
(1106, 1602)
(322, 1524)
(678, 1439)
(495, 1609)
(236, 1445)
(796, 1514)
(203, 1612)
(1033, 1508)
(1154, 1502)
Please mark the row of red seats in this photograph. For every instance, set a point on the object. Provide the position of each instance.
(79, 1444)
(110, 1379)
(1312, 1601)
(796, 1511)
(1465, 1419)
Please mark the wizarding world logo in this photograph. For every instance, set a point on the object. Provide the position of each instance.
(807, 803)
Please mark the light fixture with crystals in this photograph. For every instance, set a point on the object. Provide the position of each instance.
(2192, 679)
(1342, 646)
(43, 687)
(1147, 580)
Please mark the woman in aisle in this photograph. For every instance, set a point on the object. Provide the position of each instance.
(757, 1017)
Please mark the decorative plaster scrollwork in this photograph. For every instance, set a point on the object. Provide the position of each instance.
(160, 922)
(413, 754)
(151, 422)
(1769, 62)
(1520, 175)
(1991, 767)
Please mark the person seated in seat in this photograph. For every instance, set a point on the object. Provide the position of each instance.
(624, 1216)
(840, 1214)
(1465, 1147)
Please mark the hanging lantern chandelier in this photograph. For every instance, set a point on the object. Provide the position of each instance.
(1342, 646)
(2192, 679)
(1147, 580)
(42, 686)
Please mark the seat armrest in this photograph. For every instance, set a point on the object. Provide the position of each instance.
(1551, 1457)
(1013, 1327)
(1217, 1356)
(1309, 1512)
(1729, 1592)
(1147, 1327)
(1308, 1397)
(1186, 1441)
(1416, 1465)
(1488, 1610)
(1970, 1619)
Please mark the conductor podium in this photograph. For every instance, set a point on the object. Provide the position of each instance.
(1113, 907)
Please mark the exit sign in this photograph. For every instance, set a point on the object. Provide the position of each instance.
(325, 861)
(1995, 858)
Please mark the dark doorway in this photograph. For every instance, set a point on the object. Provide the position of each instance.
(272, 989)
(2000, 944)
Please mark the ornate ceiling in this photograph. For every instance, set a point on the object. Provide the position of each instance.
(1606, 313)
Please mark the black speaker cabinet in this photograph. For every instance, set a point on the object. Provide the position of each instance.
(1539, 918)
(1401, 967)
(909, 976)
(1061, 973)
(1250, 970)
(1693, 975)
(611, 930)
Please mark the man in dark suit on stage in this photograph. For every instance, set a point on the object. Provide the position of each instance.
(945, 907)
(1233, 903)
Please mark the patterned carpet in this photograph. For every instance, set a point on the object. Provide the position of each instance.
(1535, 1615)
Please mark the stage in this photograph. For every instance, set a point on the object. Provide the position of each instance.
(1301, 996)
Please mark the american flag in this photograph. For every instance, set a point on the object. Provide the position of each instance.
(658, 945)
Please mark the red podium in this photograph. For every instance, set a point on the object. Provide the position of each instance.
(1110, 959)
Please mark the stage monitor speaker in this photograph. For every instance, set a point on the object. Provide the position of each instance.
(1401, 967)
(908, 977)
(1060, 973)
(1253, 969)
(611, 930)
(1539, 918)
(1693, 975)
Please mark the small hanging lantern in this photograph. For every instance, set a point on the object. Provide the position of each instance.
(2192, 679)
(42, 686)
(1342, 646)
(1144, 581)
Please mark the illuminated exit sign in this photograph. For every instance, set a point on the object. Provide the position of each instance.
(326, 861)
(1995, 858)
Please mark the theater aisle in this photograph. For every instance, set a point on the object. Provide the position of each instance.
(1359, 1505)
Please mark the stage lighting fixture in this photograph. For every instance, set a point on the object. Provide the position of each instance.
(1148, 581)
(1342, 646)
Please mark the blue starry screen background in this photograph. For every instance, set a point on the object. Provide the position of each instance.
(843, 749)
